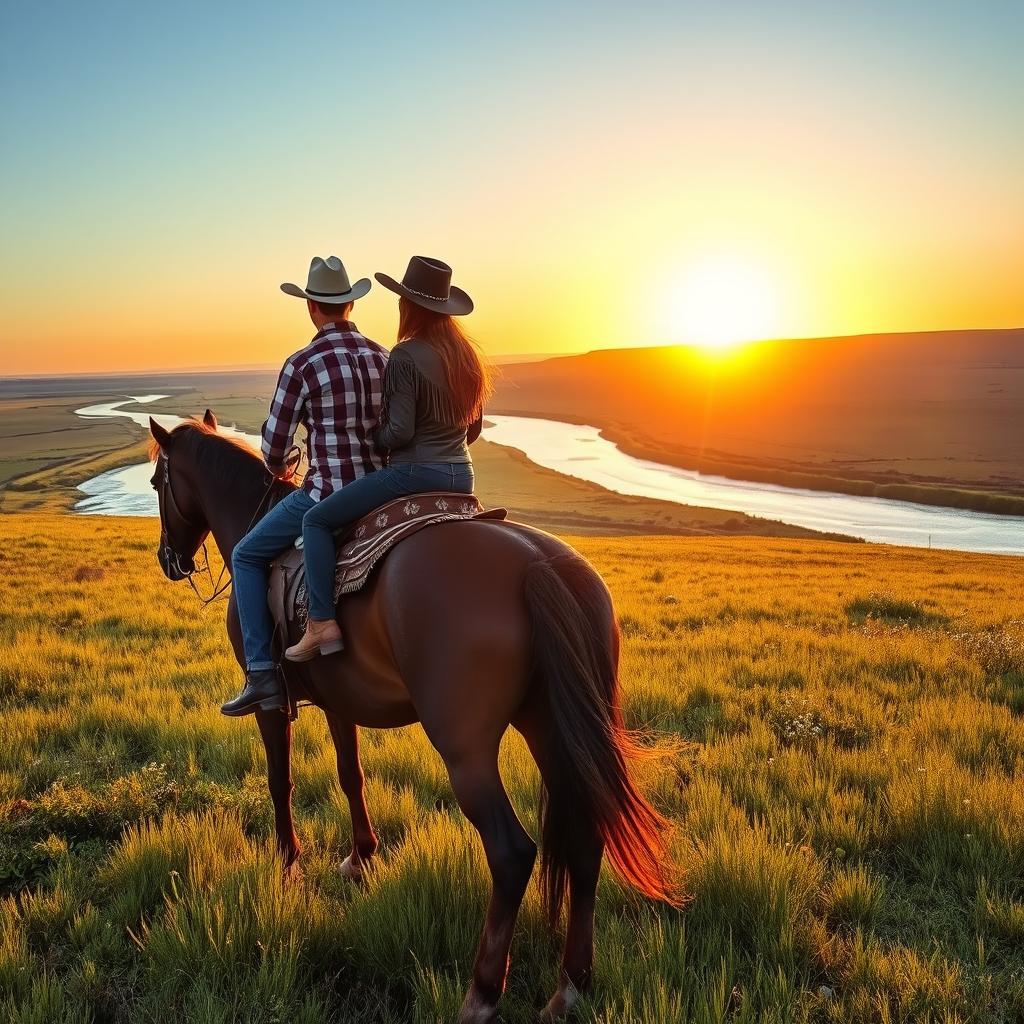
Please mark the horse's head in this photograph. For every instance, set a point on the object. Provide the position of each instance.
(183, 523)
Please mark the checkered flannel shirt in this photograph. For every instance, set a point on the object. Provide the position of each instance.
(333, 387)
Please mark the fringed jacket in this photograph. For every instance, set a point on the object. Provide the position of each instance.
(418, 422)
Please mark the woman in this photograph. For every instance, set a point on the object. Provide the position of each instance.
(435, 387)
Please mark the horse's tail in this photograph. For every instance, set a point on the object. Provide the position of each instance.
(588, 794)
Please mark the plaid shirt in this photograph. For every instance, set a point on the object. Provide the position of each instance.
(334, 387)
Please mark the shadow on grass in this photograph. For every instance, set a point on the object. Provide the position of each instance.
(892, 611)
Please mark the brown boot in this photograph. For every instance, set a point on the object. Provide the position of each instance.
(321, 637)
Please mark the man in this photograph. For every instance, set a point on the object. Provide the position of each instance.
(334, 387)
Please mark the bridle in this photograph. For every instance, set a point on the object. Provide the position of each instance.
(165, 492)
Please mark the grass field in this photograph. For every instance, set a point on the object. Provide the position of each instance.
(844, 761)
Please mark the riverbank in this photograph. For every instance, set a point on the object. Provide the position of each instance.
(581, 451)
(934, 418)
(941, 493)
(54, 488)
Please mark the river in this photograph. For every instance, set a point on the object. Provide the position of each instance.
(127, 491)
(580, 451)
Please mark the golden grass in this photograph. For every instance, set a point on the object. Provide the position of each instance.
(846, 780)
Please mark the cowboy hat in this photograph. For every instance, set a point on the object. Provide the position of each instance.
(328, 283)
(428, 283)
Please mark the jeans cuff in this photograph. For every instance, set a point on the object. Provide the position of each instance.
(259, 666)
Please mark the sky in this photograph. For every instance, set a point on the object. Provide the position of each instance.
(598, 175)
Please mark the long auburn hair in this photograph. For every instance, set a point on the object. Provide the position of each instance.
(469, 377)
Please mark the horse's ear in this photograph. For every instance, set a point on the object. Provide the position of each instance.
(160, 435)
(209, 419)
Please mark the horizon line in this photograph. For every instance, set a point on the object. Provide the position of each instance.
(538, 357)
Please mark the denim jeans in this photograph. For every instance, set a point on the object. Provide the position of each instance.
(355, 500)
(250, 573)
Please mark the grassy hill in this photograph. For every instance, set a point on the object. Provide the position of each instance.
(844, 759)
(935, 417)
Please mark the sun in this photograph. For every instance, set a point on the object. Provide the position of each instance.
(718, 304)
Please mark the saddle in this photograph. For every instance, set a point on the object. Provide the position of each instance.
(362, 545)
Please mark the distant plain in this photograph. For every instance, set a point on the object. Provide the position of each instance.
(46, 451)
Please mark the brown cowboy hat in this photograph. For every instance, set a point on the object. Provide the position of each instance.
(428, 283)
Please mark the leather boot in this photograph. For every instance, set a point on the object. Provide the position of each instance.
(322, 636)
(262, 690)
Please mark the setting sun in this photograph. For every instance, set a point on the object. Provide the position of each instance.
(721, 303)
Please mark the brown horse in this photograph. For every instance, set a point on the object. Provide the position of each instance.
(467, 628)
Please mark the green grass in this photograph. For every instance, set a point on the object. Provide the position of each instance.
(845, 774)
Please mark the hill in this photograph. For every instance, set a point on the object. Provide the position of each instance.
(935, 417)
(843, 757)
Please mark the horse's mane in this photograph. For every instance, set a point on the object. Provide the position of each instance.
(224, 458)
(194, 425)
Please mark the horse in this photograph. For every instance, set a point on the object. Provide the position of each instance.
(467, 628)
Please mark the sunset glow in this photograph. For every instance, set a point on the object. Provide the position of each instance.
(719, 304)
(763, 170)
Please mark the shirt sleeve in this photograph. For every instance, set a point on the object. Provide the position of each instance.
(285, 415)
(398, 414)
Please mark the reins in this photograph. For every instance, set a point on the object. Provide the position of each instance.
(220, 586)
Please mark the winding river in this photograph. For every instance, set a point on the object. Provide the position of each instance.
(127, 491)
(580, 451)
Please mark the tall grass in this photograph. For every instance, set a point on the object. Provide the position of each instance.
(845, 774)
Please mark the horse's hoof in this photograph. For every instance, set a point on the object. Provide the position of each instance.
(351, 870)
(560, 1003)
(476, 1010)
(292, 873)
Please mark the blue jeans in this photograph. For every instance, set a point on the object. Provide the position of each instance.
(355, 500)
(250, 571)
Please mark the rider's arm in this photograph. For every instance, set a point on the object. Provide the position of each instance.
(398, 416)
(473, 430)
(285, 416)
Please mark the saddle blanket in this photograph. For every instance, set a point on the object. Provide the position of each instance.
(362, 546)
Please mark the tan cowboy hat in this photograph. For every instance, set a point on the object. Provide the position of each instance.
(428, 283)
(327, 282)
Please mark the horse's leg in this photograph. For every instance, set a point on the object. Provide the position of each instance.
(510, 856)
(276, 730)
(462, 651)
(584, 869)
(350, 775)
(578, 958)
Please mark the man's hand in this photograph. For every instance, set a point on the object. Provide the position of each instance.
(291, 465)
